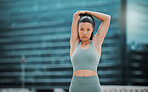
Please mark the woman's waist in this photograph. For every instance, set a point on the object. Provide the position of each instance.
(84, 73)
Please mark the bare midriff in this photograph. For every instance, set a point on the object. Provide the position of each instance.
(85, 73)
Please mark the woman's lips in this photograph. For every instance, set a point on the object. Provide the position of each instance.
(84, 37)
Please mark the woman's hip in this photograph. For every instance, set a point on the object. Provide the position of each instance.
(85, 84)
(87, 80)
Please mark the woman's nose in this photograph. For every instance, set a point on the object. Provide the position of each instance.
(85, 32)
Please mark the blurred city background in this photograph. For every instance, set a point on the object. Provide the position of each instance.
(35, 44)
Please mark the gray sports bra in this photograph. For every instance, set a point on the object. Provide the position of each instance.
(85, 59)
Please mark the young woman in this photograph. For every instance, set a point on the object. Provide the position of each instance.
(85, 50)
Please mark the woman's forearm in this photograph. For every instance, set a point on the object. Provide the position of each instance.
(99, 15)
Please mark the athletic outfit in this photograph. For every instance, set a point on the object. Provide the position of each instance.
(87, 59)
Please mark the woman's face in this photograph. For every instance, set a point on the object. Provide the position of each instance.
(85, 30)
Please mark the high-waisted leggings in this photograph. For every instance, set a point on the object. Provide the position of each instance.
(85, 84)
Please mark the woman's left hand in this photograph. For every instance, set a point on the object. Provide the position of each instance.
(83, 11)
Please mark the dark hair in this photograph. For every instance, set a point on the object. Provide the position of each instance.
(87, 18)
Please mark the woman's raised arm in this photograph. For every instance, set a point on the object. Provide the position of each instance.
(103, 28)
(74, 29)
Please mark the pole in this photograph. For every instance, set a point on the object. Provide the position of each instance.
(23, 71)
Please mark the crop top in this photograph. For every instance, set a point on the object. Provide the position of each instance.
(87, 59)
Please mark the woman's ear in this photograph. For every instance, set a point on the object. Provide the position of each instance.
(93, 28)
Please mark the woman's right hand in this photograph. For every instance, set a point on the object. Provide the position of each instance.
(76, 16)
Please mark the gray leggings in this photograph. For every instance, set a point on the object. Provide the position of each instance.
(85, 84)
